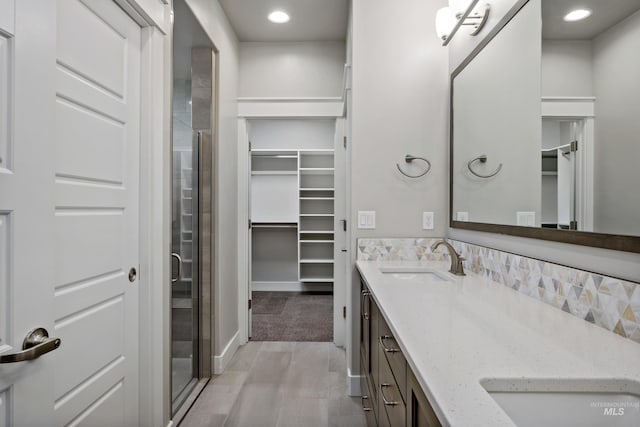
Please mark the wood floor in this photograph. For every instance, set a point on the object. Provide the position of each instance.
(280, 384)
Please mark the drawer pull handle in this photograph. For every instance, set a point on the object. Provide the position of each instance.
(383, 338)
(364, 408)
(364, 294)
(384, 398)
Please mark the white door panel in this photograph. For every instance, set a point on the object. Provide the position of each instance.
(99, 140)
(27, 93)
(93, 42)
(69, 224)
(96, 243)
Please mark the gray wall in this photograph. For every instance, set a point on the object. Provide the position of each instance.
(397, 106)
(616, 70)
(215, 23)
(497, 113)
(619, 264)
(304, 69)
(566, 68)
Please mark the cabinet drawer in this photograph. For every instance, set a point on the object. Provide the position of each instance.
(369, 397)
(389, 397)
(419, 410)
(394, 356)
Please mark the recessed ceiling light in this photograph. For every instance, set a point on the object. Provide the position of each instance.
(577, 15)
(278, 17)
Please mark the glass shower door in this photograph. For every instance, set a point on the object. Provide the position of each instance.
(185, 287)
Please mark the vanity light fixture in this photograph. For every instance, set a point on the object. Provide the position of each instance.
(458, 13)
(278, 17)
(577, 15)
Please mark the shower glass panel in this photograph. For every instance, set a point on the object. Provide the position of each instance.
(185, 255)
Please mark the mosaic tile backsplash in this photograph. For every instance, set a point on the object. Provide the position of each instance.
(610, 303)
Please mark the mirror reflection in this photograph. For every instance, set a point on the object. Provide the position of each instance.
(546, 120)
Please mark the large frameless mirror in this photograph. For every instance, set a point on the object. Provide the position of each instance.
(545, 134)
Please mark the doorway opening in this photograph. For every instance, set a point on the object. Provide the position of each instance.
(296, 206)
(567, 170)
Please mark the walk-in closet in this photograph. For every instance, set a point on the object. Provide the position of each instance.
(293, 227)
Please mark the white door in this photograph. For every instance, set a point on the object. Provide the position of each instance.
(69, 212)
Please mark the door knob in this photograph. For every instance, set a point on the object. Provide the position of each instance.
(36, 343)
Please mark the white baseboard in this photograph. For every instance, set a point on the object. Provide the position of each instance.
(220, 362)
(353, 384)
(290, 287)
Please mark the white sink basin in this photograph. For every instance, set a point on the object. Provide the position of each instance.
(416, 273)
(567, 403)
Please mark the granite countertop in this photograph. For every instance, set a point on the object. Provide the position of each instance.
(458, 333)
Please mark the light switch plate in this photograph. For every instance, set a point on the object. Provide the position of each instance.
(527, 219)
(366, 219)
(427, 220)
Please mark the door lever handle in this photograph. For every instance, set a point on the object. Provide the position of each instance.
(34, 345)
(176, 256)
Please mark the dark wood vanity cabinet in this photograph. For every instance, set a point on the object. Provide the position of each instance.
(419, 411)
(369, 315)
(391, 395)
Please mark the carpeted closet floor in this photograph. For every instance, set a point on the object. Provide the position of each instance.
(291, 316)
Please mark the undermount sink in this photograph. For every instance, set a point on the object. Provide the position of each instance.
(413, 273)
(567, 403)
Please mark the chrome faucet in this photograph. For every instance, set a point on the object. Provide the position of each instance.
(456, 259)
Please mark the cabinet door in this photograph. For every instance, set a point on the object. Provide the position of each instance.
(365, 331)
(374, 315)
(419, 411)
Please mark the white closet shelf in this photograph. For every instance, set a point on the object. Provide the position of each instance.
(274, 172)
(317, 189)
(312, 215)
(317, 232)
(317, 198)
(274, 152)
(317, 279)
(317, 241)
(274, 224)
(313, 151)
(317, 261)
(317, 171)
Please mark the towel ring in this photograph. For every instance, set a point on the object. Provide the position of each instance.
(408, 159)
(483, 159)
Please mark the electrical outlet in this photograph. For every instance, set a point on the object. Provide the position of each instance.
(427, 220)
(527, 219)
(462, 216)
(366, 219)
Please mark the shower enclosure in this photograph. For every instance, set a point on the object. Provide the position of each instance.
(185, 289)
(192, 209)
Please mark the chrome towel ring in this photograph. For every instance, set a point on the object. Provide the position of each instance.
(408, 159)
(483, 159)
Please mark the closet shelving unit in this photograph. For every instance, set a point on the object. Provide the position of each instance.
(317, 216)
(295, 189)
(186, 216)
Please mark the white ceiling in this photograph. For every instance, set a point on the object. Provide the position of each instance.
(606, 13)
(311, 20)
(188, 33)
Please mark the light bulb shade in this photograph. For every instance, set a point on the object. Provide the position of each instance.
(445, 21)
